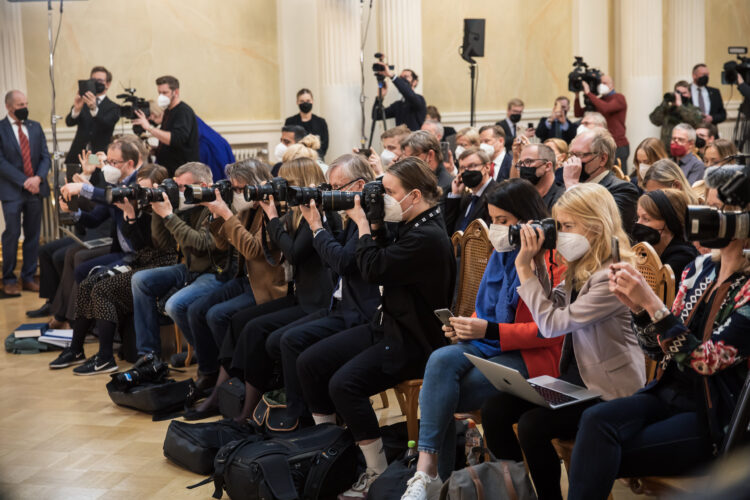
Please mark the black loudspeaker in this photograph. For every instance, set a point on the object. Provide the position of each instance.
(473, 39)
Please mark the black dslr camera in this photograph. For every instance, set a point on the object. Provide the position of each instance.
(548, 227)
(168, 186)
(195, 193)
(117, 194)
(734, 68)
(371, 199)
(148, 369)
(379, 66)
(276, 187)
(304, 195)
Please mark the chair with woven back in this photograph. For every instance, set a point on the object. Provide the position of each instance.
(474, 248)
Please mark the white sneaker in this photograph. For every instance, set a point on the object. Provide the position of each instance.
(361, 487)
(422, 487)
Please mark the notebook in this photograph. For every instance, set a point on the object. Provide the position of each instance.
(30, 330)
(60, 338)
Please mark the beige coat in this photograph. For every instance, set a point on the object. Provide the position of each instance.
(609, 358)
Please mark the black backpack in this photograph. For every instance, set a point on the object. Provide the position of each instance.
(194, 446)
(316, 463)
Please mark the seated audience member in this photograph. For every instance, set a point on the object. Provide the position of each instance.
(469, 190)
(493, 143)
(681, 149)
(340, 373)
(677, 423)
(560, 148)
(591, 120)
(424, 146)
(661, 223)
(592, 158)
(537, 165)
(391, 142)
(103, 300)
(434, 114)
(717, 152)
(510, 124)
(188, 225)
(467, 137)
(502, 331)
(600, 350)
(678, 109)
(305, 148)
(290, 134)
(312, 123)
(665, 174)
(708, 133)
(557, 125)
(433, 127)
(648, 152)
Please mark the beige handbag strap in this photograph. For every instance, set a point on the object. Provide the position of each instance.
(509, 481)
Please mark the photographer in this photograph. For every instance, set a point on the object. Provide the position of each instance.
(426, 147)
(614, 108)
(178, 134)
(290, 134)
(94, 115)
(557, 124)
(599, 349)
(416, 270)
(677, 423)
(192, 279)
(707, 133)
(676, 107)
(741, 134)
(411, 109)
(469, 190)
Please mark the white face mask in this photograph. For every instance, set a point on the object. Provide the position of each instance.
(499, 238)
(393, 212)
(387, 157)
(487, 149)
(643, 168)
(182, 206)
(459, 150)
(602, 89)
(153, 141)
(239, 203)
(111, 173)
(279, 151)
(581, 129)
(572, 246)
(163, 101)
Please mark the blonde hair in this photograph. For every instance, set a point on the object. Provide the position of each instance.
(306, 148)
(561, 147)
(302, 172)
(471, 135)
(592, 206)
(666, 172)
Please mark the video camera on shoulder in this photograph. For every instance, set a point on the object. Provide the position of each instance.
(582, 73)
(734, 68)
(195, 193)
(548, 228)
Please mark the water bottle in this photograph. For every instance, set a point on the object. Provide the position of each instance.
(474, 444)
(411, 453)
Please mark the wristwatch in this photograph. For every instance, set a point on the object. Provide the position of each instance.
(660, 314)
(317, 231)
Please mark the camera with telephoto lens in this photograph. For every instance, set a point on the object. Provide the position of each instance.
(195, 193)
(117, 194)
(168, 186)
(276, 187)
(733, 68)
(370, 198)
(296, 196)
(547, 226)
(379, 66)
(148, 369)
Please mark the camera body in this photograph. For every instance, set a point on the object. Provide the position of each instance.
(379, 66)
(304, 195)
(150, 195)
(117, 194)
(195, 193)
(732, 68)
(582, 73)
(547, 226)
(276, 187)
(370, 198)
(148, 369)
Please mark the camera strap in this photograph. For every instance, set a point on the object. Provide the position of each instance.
(264, 244)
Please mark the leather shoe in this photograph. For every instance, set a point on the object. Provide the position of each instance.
(31, 286)
(206, 381)
(45, 310)
(13, 289)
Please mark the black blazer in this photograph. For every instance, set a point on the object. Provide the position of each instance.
(626, 198)
(678, 254)
(11, 161)
(509, 135)
(410, 111)
(455, 208)
(93, 133)
(544, 133)
(718, 113)
(504, 172)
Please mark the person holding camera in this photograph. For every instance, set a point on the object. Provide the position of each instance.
(178, 134)
(411, 109)
(417, 272)
(741, 134)
(425, 146)
(196, 277)
(613, 106)
(94, 115)
(677, 107)
(469, 191)
(501, 330)
(677, 423)
(557, 124)
(312, 123)
(599, 349)
(105, 296)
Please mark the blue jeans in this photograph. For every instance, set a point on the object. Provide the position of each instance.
(178, 304)
(639, 435)
(452, 384)
(209, 319)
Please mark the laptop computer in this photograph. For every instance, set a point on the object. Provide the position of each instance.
(99, 242)
(544, 391)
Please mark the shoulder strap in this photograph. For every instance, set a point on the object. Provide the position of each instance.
(323, 463)
(277, 476)
(509, 486)
(477, 483)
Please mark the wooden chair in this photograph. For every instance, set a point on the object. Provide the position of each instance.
(474, 247)
(178, 345)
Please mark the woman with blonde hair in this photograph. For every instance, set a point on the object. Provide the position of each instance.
(648, 152)
(600, 350)
(466, 138)
(665, 174)
(716, 153)
(562, 153)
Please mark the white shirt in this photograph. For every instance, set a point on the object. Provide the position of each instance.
(498, 162)
(99, 99)
(15, 129)
(694, 90)
(512, 127)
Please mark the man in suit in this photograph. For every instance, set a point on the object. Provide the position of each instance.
(425, 146)
(462, 207)
(536, 164)
(510, 124)
(411, 109)
(24, 164)
(557, 124)
(707, 99)
(592, 155)
(493, 142)
(94, 115)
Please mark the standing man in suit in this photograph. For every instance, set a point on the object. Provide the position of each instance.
(462, 207)
(510, 124)
(94, 115)
(557, 124)
(707, 99)
(24, 164)
(493, 143)
(411, 109)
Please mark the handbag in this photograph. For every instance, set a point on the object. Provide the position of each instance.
(490, 480)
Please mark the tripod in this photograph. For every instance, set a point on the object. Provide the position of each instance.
(380, 111)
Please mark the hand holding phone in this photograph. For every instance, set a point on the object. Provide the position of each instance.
(615, 250)
(444, 316)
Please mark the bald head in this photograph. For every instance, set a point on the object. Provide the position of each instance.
(14, 100)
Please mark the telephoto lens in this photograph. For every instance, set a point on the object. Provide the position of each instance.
(258, 193)
(302, 195)
(118, 194)
(195, 193)
(148, 369)
(548, 227)
(708, 223)
(338, 200)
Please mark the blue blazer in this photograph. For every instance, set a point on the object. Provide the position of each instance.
(11, 161)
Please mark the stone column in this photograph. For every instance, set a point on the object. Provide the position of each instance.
(591, 37)
(400, 34)
(685, 39)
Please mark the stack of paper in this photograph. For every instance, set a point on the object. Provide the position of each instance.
(60, 338)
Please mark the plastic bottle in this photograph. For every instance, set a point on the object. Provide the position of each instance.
(412, 449)
(474, 444)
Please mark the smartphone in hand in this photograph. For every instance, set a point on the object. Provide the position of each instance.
(444, 316)
(615, 250)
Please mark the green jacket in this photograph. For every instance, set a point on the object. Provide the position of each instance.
(667, 115)
(191, 231)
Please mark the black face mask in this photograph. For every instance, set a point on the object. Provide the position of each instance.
(99, 87)
(21, 113)
(700, 142)
(529, 174)
(641, 232)
(472, 178)
(585, 175)
(515, 118)
(305, 107)
(702, 81)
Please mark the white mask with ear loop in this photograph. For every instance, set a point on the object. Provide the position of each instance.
(393, 212)
(572, 246)
(643, 168)
(499, 238)
(163, 101)
(387, 157)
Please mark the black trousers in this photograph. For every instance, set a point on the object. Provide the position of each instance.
(64, 303)
(340, 373)
(51, 260)
(537, 426)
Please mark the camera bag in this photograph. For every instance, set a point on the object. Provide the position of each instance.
(28, 345)
(194, 446)
(272, 413)
(231, 395)
(158, 398)
(316, 463)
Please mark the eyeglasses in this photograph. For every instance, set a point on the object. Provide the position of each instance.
(680, 140)
(114, 163)
(473, 166)
(581, 156)
(528, 163)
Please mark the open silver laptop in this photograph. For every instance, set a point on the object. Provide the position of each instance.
(544, 391)
(99, 242)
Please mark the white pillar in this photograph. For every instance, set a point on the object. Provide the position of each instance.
(686, 39)
(639, 49)
(401, 34)
(339, 46)
(591, 37)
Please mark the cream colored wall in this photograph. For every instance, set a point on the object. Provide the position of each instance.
(224, 53)
(528, 47)
(727, 23)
